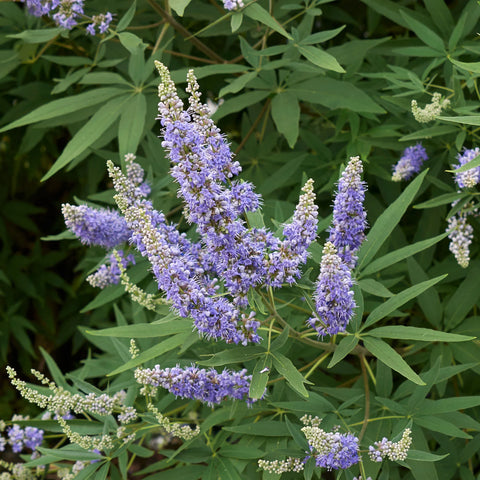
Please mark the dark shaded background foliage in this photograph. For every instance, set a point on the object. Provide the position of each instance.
(386, 55)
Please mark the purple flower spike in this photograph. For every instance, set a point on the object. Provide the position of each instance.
(410, 163)
(208, 386)
(102, 227)
(334, 295)
(284, 262)
(349, 216)
(469, 178)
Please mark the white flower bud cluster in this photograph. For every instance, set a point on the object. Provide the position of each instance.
(391, 450)
(291, 464)
(64, 401)
(84, 441)
(181, 431)
(432, 110)
(124, 436)
(133, 350)
(361, 478)
(15, 471)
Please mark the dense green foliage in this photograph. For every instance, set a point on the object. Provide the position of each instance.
(305, 85)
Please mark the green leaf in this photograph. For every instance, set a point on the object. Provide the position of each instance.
(55, 372)
(421, 456)
(334, 93)
(442, 200)
(241, 451)
(89, 133)
(400, 254)
(153, 352)
(169, 325)
(37, 36)
(238, 84)
(99, 78)
(105, 296)
(70, 453)
(415, 333)
(260, 377)
(179, 6)
(428, 132)
(127, 17)
(267, 428)
(65, 106)
(239, 102)
(391, 358)
(427, 36)
(399, 299)
(287, 369)
(236, 21)
(387, 221)
(464, 120)
(180, 76)
(281, 175)
(346, 345)
(373, 287)
(320, 37)
(436, 424)
(235, 355)
(469, 66)
(465, 297)
(320, 58)
(256, 12)
(131, 42)
(131, 125)
(446, 405)
(286, 115)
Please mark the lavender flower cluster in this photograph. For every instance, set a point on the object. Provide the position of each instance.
(410, 163)
(19, 438)
(66, 13)
(335, 450)
(233, 4)
(471, 177)
(333, 294)
(208, 386)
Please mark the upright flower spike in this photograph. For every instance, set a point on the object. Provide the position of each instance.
(471, 177)
(289, 254)
(410, 163)
(349, 216)
(102, 227)
(334, 296)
